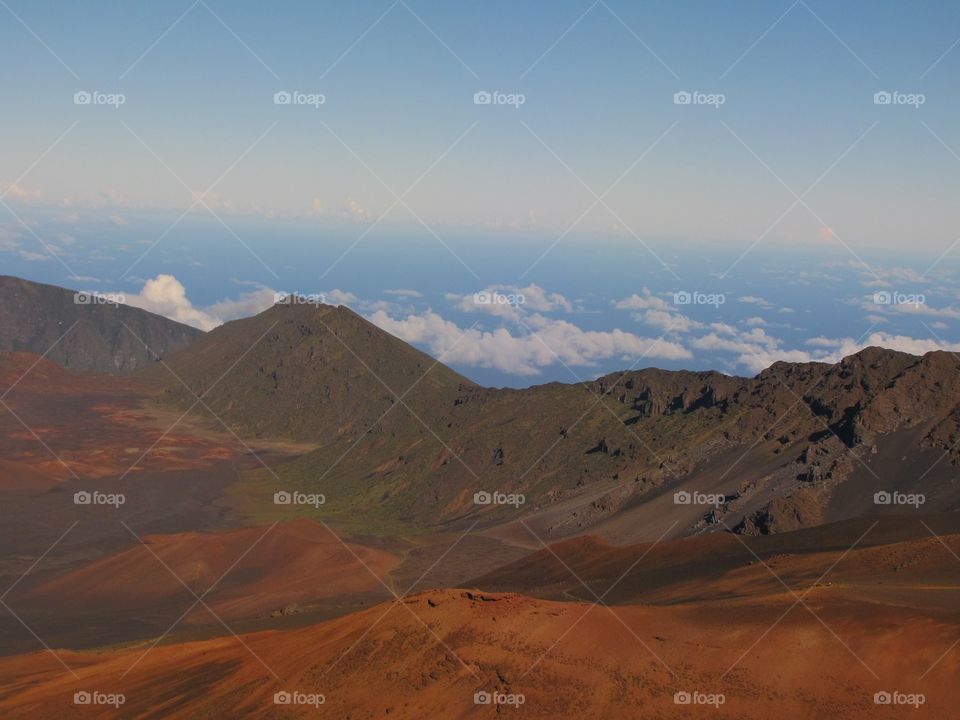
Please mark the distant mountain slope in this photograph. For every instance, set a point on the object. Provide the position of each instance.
(34, 315)
(311, 372)
(403, 439)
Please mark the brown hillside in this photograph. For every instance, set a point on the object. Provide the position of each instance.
(33, 316)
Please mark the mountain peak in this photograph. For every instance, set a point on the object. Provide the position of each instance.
(306, 369)
(79, 332)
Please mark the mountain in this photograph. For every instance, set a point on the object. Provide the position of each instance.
(82, 333)
(596, 548)
(402, 439)
(305, 371)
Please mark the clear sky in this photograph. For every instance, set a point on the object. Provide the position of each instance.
(795, 157)
(798, 81)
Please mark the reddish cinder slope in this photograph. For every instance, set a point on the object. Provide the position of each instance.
(898, 560)
(263, 569)
(97, 425)
(429, 657)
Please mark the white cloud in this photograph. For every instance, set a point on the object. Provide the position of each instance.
(879, 312)
(755, 350)
(656, 312)
(402, 292)
(949, 312)
(212, 200)
(349, 209)
(542, 341)
(645, 301)
(30, 256)
(19, 193)
(754, 300)
(522, 300)
(667, 321)
(352, 210)
(165, 295)
(340, 297)
(825, 342)
(384, 305)
(892, 275)
(903, 343)
(247, 304)
(539, 300)
(736, 341)
(525, 354)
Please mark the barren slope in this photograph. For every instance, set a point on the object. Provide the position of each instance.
(102, 337)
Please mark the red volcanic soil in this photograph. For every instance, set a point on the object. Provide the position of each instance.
(97, 425)
(263, 569)
(883, 559)
(21, 476)
(27, 371)
(430, 656)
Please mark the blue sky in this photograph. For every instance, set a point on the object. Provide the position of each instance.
(598, 186)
